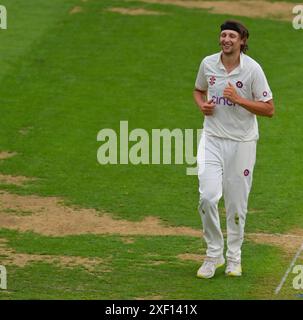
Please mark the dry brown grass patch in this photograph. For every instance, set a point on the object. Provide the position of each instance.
(7, 154)
(191, 257)
(156, 263)
(135, 11)
(15, 180)
(24, 131)
(11, 257)
(152, 297)
(127, 240)
(9, 179)
(76, 9)
(254, 9)
(288, 242)
(50, 217)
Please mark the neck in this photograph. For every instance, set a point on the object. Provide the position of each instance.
(230, 60)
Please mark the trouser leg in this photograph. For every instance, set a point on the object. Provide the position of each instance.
(237, 181)
(210, 189)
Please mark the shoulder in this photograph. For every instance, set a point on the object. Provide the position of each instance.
(251, 64)
(212, 59)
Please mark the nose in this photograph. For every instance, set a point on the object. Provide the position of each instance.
(227, 38)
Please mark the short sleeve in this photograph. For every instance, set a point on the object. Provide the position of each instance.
(260, 88)
(201, 81)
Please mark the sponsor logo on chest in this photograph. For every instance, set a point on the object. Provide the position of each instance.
(222, 101)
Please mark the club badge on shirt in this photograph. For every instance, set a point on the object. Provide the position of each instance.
(212, 80)
(239, 84)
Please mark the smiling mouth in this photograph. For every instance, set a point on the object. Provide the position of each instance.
(226, 46)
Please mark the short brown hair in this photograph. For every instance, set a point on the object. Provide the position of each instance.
(238, 27)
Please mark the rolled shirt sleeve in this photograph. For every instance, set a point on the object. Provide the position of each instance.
(260, 87)
(201, 80)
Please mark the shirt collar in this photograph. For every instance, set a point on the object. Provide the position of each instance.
(241, 59)
(219, 61)
(221, 66)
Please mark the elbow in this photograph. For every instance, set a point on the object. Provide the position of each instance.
(271, 113)
(271, 109)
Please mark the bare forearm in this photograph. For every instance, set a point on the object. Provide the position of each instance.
(199, 97)
(206, 107)
(257, 107)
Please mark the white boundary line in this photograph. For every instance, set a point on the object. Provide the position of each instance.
(288, 270)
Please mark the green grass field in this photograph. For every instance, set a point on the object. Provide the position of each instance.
(66, 76)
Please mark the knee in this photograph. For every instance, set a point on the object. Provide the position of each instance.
(236, 218)
(208, 200)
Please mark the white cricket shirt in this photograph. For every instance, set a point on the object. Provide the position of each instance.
(230, 120)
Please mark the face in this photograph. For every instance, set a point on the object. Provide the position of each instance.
(230, 41)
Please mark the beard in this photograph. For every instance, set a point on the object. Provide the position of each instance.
(229, 51)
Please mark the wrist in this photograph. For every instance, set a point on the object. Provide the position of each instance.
(239, 100)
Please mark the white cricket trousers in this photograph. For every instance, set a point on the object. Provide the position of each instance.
(224, 167)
